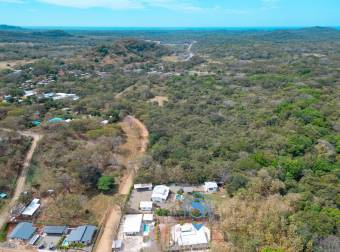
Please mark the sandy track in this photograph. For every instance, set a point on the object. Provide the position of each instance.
(190, 53)
(136, 143)
(20, 186)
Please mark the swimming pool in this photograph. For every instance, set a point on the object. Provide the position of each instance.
(146, 229)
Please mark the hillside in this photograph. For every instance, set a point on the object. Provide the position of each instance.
(4, 27)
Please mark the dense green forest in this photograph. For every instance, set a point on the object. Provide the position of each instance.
(258, 111)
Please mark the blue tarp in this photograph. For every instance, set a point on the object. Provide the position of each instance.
(36, 123)
(56, 120)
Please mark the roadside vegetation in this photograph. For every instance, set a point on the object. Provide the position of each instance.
(13, 148)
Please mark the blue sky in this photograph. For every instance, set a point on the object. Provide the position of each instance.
(170, 13)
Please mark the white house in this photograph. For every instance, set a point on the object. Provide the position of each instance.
(132, 224)
(190, 235)
(60, 96)
(160, 193)
(142, 187)
(31, 209)
(146, 206)
(147, 218)
(117, 245)
(210, 187)
(29, 93)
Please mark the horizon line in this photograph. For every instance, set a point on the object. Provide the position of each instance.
(174, 27)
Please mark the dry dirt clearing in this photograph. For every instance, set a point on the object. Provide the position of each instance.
(136, 145)
(160, 100)
(11, 64)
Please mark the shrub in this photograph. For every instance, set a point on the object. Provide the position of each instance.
(106, 183)
(235, 183)
(162, 212)
(298, 144)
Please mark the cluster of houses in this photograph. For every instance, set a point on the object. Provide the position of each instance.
(138, 221)
(50, 237)
(47, 237)
(34, 93)
(46, 81)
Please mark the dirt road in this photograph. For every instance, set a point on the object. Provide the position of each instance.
(20, 186)
(136, 144)
(190, 53)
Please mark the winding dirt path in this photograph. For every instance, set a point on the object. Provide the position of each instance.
(20, 185)
(191, 54)
(136, 144)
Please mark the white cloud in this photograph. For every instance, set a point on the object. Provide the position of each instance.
(113, 4)
(127, 4)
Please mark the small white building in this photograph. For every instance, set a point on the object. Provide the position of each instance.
(189, 236)
(142, 187)
(117, 245)
(132, 224)
(29, 93)
(32, 208)
(210, 186)
(160, 193)
(147, 218)
(105, 122)
(146, 206)
(60, 96)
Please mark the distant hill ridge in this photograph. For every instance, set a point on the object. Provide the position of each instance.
(52, 33)
(5, 27)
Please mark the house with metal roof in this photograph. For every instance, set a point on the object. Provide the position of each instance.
(32, 208)
(82, 234)
(132, 224)
(210, 186)
(117, 245)
(55, 230)
(142, 187)
(146, 206)
(148, 218)
(160, 193)
(23, 231)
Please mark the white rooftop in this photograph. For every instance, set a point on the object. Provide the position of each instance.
(189, 235)
(30, 93)
(210, 184)
(160, 191)
(59, 96)
(145, 204)
(142, 186)
(132, 223)
(148, 217)
(117, 244)
(32, 207)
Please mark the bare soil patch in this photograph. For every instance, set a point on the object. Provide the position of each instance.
(171, 58)
(11, 64)
(160, 100)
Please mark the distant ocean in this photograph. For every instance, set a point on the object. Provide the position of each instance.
(84, 28)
